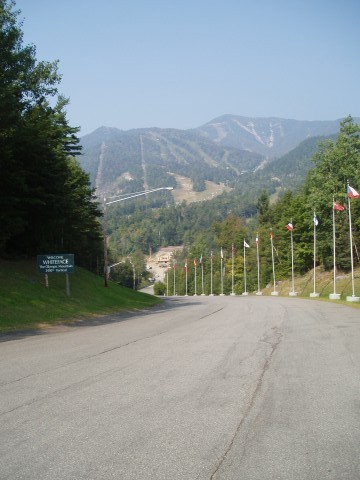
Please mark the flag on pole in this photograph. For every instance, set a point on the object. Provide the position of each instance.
(221, 254)
(246, 245)
(186, 266)
(290, 227)
(352, 193)
(258, 262)
(338, 207)
(201, 260)
(316, 221)
(194, 262)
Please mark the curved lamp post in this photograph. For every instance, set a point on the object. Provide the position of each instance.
(122, 198)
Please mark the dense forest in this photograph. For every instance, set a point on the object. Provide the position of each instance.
(47, 203)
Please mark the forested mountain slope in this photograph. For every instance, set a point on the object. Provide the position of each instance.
(271, 137)
(133, 160)
(230, 150)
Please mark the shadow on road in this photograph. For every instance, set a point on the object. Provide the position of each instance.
(96, 320)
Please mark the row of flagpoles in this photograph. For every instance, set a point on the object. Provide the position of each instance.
(351, 193)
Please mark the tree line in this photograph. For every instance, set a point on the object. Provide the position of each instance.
(47, 203)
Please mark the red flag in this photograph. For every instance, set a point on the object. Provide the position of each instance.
(257, 239)
(352, 193)
(290, 227)
(338, 207)
(194, 262)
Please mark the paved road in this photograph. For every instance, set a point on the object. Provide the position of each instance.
(206, 388)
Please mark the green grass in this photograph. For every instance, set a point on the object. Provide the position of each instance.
(324, 285)
(26, 303)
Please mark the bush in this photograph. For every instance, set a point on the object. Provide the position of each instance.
(159, 288)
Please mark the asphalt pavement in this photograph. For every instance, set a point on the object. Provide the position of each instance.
(200, 388)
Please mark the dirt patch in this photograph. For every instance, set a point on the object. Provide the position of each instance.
(184, 190)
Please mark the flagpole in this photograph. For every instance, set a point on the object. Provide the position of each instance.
(195, 294)
(292, 263)
(314, 294)
(174, 268)
(258, 264)
(186, 279)
(335, 206)
(221, 273)
(314, 254)
(167, 281)
(351, 255)
(211, 274)
(290, 227)
(334, 247)
(274, 292)
(245, 268)
(202, 275)
(245, 292)
(351, 193)
(232, 270)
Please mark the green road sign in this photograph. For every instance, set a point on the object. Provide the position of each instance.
(57, 263)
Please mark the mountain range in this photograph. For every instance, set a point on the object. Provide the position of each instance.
(225, 151)
(271, 137)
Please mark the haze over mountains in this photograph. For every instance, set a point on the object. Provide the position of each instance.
(271, 137)
(223, 151)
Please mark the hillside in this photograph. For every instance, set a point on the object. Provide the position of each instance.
(134, 160)
(270, 137)
(290, 170)
(25, 302)
(229, 151)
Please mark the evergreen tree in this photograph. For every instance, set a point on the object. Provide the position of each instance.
(47, 204)
(336, 162)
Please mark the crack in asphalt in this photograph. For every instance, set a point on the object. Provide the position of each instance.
(211, 313)
(274, 343)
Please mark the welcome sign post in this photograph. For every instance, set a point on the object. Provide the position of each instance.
(56, 263)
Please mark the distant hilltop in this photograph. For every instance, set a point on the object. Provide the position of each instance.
(267, 136)
(202, 162)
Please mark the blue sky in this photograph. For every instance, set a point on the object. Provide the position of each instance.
(181, 63)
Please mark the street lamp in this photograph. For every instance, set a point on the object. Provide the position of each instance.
(122, 198)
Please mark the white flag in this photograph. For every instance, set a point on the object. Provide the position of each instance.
(246, 245)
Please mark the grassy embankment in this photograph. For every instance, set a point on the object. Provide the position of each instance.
(324, 285)
(26, 303)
